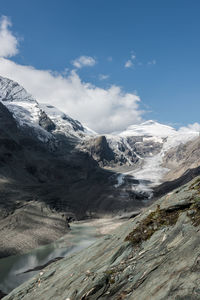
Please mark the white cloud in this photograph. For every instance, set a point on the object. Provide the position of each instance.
(103, 76)
(191, 127)
(109, 58)
(128, 64)
(103, 110)
(8, 42)
(152, 62)
(84, 61)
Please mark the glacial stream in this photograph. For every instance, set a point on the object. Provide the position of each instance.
(12, 268)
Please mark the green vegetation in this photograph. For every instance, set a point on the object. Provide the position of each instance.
(111, 275)
(166, 217)
(153, 222)
(196, 185)
(194, 213)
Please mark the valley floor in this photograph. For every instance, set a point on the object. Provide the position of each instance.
(19, 268)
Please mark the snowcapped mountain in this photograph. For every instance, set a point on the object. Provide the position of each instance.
(150, 142)
(138, 142)
(64, 123)
(148, 128)
(138, 152)
(44, 120)
(160, 133)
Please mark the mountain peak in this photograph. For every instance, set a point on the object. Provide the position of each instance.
(43, 118)
(11, 91)
(149, 128)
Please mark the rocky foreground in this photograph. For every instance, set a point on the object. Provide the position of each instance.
(155, 255)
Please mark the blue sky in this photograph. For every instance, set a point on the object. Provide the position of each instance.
(159, 39)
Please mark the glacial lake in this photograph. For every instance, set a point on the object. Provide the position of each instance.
(12, 268)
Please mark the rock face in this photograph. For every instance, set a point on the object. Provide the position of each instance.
(99, 149)
(179, 159)
(183, 164)
(114, 151)
(2, 294)
(153, 256)
(169, 186)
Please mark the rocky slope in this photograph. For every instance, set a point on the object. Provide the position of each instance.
(182, 158)
(153, 256)
(182, 163)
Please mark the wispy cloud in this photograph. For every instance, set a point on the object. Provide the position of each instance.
(152, 62)
(8, 42)
(191, 127)
(103, 76)
(109, 58)
(128, 64)
(133, 56)
(83, 61)
(134, 62)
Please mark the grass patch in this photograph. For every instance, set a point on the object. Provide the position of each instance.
(153, 222)
(194, 213)
(196, 185)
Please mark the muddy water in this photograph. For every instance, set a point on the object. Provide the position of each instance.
(12, 268)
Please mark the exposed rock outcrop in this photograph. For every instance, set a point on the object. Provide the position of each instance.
(179, 159)
(169, 186)
(100, 150)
